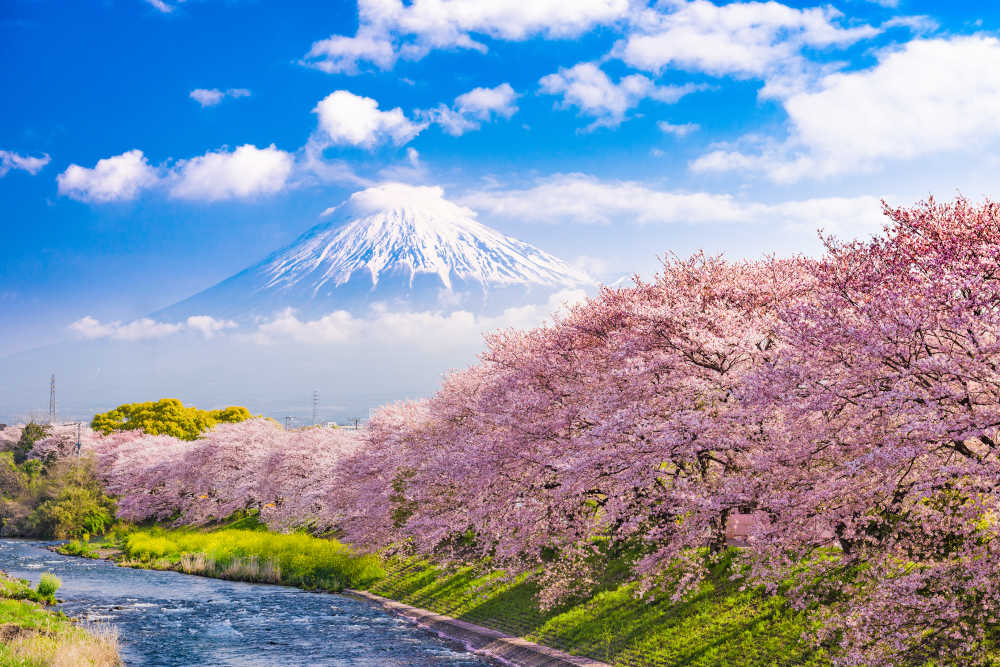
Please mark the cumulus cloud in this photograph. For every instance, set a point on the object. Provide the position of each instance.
(117, 178)
(680, 130)
(208, 326)
(346, 119)
(209, 97)
(920, 99)
(145, 328)
(141, 329)
(588, 88)
(343, 54)
(741, 38)
(383, 326)
(585, 199)
(473, 108)
(244, 172)
(11, 160)
(336, 327)
(390, 29)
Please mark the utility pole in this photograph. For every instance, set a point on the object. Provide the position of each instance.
(315, 404)
(52, 399)
(288, 421)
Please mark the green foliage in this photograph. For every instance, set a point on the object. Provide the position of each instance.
(293, 559)
(20, 589)
(167, 416)
(32, 433)
(80, 548)
(77, 510)
(13, 479)
(63, 501)
(48, 585)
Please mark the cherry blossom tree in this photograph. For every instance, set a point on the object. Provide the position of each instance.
(882, 407)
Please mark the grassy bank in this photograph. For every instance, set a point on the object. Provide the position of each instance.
(247, 554)
(720, 624)
(32, 634)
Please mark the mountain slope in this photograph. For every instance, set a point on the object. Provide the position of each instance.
(392, 244)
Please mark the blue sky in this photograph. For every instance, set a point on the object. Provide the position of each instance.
(607, 132)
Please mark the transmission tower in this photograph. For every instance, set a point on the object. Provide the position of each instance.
(315, 405)
(52, 399)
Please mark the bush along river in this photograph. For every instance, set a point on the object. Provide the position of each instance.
(167, 618)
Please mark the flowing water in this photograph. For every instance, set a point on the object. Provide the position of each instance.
(168, 618)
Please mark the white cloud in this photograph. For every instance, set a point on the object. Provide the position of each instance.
(141, 329)
(208, 326)
(920, 24)
(337, 327)
(342, 54)
(392, 327)
(116, 178)
(481, 103)
(88, 327)
(209, 97)
(161, 6)
(473, 108)
(578, 198)
(740, 38)
(346, 119)
(10, 160)
(389, 29)
(245, 172)
(145, 328)
(680, 130)
(587, 87)
(919, 100)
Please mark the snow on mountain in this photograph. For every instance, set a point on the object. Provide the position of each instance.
(393, 244)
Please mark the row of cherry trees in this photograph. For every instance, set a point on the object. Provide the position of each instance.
(849, 403)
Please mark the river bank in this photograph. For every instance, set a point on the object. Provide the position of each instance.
(32, 633)
(169, 619)
(721, 624)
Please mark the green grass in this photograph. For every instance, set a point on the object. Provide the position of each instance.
(718, 625)
(250, 554)
(33, 635)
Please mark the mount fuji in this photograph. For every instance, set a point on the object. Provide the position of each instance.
(393, 287)
(395, 245)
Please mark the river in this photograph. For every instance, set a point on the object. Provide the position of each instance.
(172, 619)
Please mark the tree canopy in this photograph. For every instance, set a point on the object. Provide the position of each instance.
(167, 416)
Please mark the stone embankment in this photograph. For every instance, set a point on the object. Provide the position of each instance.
(484, 641)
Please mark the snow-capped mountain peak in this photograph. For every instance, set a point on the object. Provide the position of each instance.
(396, 228)
(395, 244)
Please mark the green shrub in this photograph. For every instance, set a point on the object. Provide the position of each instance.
(48, 585)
